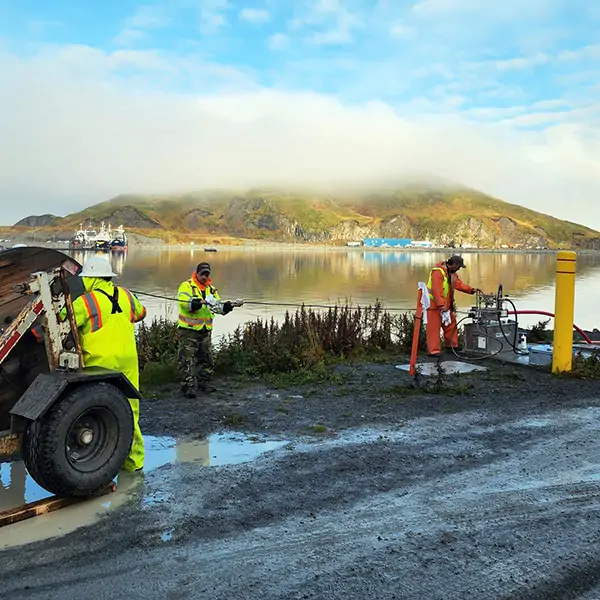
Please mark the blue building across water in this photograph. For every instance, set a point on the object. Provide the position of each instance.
(385, 258)
(387, 242)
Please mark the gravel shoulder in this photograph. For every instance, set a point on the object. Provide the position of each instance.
(489, 489)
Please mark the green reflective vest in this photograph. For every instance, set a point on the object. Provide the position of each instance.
(446, 283)
(201, 319)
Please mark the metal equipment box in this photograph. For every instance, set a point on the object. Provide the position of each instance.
(489, 338)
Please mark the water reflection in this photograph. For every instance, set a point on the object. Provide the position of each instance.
(17, 487)
(296, 275)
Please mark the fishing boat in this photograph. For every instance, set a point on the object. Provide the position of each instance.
(103, 240)
(119, 241)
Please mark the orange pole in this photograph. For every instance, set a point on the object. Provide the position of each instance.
(416, 334)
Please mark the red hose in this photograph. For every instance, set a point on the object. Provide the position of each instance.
(580, 331)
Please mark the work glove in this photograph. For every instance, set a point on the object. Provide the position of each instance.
(237, 303)
(211, 300)
(196, 304)
(446, 317)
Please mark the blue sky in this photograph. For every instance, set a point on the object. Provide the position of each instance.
(122, 96)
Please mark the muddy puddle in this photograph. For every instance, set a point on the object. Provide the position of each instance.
(17, 487)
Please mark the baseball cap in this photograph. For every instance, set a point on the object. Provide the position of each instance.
(203, 267)
(457, 260)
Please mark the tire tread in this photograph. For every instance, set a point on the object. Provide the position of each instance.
(40, 445)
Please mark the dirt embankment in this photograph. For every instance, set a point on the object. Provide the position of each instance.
(488, 489)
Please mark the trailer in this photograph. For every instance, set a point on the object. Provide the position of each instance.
(71, 425)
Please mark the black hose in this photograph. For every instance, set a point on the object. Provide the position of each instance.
(513, 344)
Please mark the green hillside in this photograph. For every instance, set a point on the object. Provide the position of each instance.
(443, 215)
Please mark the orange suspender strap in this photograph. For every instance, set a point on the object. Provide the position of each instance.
(132, 306)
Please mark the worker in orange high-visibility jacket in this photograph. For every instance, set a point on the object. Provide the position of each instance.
(443, 280)
(105, 315)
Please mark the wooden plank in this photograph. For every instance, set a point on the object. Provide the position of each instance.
(47, 505)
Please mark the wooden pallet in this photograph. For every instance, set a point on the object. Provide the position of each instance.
(47, 505)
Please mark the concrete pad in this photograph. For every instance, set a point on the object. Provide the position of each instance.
(450, 367)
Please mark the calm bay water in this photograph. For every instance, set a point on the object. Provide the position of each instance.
(317, 276)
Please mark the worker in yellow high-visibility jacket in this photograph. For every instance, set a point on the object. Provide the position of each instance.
(198, 301)
(105, 315)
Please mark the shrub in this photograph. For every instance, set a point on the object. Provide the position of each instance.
(157, 342)
(305, 339)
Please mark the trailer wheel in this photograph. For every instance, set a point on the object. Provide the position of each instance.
(82, 442)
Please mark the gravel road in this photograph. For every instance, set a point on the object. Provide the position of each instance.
(489, 489)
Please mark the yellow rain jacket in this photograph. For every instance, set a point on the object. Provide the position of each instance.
(108, 340)
(202, 318)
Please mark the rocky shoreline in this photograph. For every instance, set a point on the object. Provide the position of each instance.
(144, 242)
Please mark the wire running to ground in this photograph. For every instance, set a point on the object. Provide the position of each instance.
(282, 304)
(333, 307)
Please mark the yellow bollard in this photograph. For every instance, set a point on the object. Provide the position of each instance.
(564, 312)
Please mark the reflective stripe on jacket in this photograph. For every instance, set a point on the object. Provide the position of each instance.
(108, 337)
(106, 331)
(202, 318)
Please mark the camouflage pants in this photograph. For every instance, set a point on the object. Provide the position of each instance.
(196, 361)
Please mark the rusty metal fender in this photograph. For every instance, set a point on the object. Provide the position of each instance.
(47, 388)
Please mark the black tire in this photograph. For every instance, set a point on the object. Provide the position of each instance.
(82, 442)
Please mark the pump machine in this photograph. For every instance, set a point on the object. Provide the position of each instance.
(491, 329)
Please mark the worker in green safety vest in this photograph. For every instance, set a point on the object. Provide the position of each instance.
(199, 302)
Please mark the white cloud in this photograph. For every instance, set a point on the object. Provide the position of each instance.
(400, 31)
(329, 21)
(84, 61)
(550, 104)
(587, 52)
(278, 41)
(78, 132)
(148, 17)
(255, 15)
(212, 15)
(440, 7)
(333, 37)
(522, 62)
(489, 12)
(40, 27)
(127, 37)
(494, 113)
